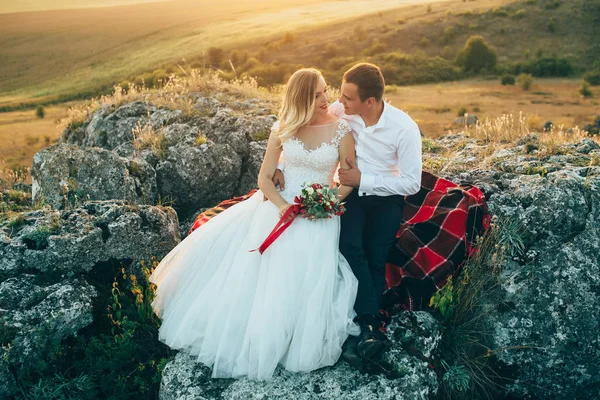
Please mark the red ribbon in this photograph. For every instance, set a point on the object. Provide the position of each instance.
(281, 226)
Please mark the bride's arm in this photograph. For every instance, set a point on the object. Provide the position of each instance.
(267, 170)
(347, 151)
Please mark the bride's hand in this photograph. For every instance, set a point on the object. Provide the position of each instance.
(283, 209)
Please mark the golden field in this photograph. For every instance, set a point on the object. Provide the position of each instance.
(58, 53)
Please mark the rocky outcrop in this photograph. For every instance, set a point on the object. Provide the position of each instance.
(410, 376)
(50, 263)
(190, 161)
(64, 173)
(543, 319)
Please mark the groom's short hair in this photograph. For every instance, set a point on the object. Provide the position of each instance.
(369, 80)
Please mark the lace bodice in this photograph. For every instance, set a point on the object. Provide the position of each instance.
(316, 165)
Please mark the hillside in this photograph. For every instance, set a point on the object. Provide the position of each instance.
(408, 41)
(66, 54)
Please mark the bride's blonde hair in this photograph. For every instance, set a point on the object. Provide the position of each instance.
(298, 104)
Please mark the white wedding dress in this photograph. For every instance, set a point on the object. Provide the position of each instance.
(243, 313)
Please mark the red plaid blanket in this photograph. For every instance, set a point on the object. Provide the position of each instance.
(441, 224)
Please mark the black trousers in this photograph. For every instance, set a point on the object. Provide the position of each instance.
(368, 232)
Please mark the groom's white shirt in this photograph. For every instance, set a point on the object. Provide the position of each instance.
(388, 154)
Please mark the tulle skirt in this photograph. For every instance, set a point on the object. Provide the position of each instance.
(243, 313)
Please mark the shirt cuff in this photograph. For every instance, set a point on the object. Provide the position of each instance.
(281, 166)
(367, 182)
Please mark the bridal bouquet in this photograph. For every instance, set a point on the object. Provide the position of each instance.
(319, 201)
(315, 202)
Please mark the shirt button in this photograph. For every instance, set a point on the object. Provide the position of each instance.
(364, 193)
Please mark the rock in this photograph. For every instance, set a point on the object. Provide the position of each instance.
(110, 128)
(585, 146)
(469, 120)
(251, 168)
(550, 289)
(208, 105)
(50, 264)
(411, 378)
(65, 171)
(36, 315)
(195, 177)
(76, 240)
(548, 126)
(597, 121)
(193, 165)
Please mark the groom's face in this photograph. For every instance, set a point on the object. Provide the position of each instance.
(350, 99)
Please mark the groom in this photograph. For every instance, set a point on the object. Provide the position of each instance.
(388, 167)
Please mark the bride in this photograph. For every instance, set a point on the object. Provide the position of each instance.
(243, 313)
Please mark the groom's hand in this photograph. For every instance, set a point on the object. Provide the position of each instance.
(278, 179)
(351, 176)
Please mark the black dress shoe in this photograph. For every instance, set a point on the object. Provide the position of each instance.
(373, 343)
(350, 354)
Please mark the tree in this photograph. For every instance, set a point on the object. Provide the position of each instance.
(476, 56)
(40, 112)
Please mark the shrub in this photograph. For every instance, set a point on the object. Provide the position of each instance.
(215, 57)
(31, 140)
(409, 69)
(39, 112)
(424, 42)
(593, 77)
(338, 63)
(376, 47)
(476, 56)
(545, 67)
(289, 38)
(237, 57)
(553, 5)
(270, 74)
(584, 90)
(520, 14)
(551, 26)
(462, 110)
(331, 50)
(447, 53)
(449, 34)
(507, 80)
(525, 81)
(360, 33)
(499, 12)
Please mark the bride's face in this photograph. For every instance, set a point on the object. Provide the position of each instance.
(321, 98)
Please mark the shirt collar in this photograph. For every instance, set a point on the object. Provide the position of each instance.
(380, 123)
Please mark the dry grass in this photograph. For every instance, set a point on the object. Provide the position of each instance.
(22, 134)
(434, 106)
(175, 95)
(10, 177)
